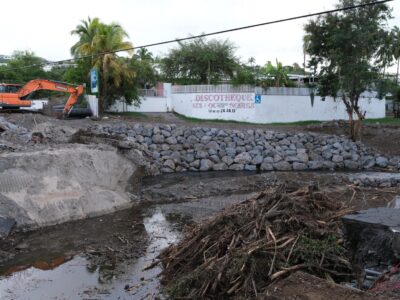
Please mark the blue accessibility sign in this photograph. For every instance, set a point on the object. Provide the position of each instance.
(94, 81)
(257, 99)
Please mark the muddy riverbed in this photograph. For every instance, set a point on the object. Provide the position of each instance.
(106, 257)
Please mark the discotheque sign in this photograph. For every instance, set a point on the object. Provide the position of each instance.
(221, 103)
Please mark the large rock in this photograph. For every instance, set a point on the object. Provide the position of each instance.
(243, 158)
(267, 166)
(299, 166)
(282, 166)
(228, 160)
(220, 167)
(236, 167)
(158, 139)
(206, 165)
(337, 158)
(382, 162)
(230, 151)
(315, 165)
(170, 164)
(171, 140)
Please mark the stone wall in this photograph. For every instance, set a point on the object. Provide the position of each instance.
(170, 148)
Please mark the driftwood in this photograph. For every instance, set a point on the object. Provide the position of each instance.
(252, 244)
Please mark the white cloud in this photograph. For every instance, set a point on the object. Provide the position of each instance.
(44, 26)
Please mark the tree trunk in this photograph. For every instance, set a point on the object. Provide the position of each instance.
(355, 125)
(355, 128)
(397, 74)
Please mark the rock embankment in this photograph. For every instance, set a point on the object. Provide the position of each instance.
(171, 148)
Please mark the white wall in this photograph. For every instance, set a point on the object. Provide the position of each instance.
(94, 105)
(148, 104)
(241, 106)
(273, 108)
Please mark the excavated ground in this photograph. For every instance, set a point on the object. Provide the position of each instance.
(106, 252)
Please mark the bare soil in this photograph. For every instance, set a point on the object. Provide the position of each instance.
(303, 286)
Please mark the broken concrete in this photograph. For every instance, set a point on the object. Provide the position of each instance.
(57, 185)
(373, 237)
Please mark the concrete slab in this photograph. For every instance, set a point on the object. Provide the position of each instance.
(373, 236)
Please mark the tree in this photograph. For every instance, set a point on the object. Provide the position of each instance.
(16, 72)
(247, 73)
(144, 65)
(276, 75)
(346, 49)
(200, 62)
(97, 38)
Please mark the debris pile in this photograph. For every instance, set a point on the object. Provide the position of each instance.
(252, 244)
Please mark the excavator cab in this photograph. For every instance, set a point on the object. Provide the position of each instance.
(9, 87)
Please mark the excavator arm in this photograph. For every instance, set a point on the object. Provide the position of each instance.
(18, 99)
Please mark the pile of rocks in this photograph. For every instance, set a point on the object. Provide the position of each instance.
(171, 148)
(376, 179)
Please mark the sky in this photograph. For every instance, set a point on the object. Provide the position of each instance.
(44, 26)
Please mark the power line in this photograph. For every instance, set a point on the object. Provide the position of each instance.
(203, 35)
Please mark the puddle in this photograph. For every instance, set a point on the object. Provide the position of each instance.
(76, 279)
(79, 277)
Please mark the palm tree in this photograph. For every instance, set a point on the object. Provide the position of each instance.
(144, 55)
(102, 40)
(86, 32)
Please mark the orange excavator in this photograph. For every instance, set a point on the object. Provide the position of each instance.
(19, 98)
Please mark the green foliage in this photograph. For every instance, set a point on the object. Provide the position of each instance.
(385, 87)
(21, 75)
(295, 69)
(346, 48)
(247, 74)
(78, 73)
(200, 62)
(311, 251)
(115, 74)
(143, 64)
(275, 75)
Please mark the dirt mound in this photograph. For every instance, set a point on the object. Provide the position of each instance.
(240, 252)
(50, 186)
(314, 288)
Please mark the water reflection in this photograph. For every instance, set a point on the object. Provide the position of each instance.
(82, 278)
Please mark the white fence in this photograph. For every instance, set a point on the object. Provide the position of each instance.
(250, 104)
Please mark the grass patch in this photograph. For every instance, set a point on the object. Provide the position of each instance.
(130, 114)
(387, 120)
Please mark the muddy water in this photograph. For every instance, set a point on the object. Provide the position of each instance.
(78, 279)
(53, 266)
